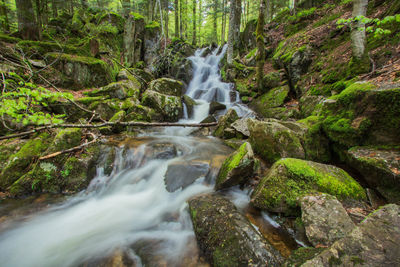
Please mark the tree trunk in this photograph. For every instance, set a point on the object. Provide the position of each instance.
(215, 18)
(176, 6)
(166, 6)
(26, 20)
(180, 19)
(260, 46)
(54, 8)
(151, 9)
(200, 19)
(358, 29)
(234, 28)
(126, 7)
(3, 12)
(39, 18)
(223, 28)
(194, 23)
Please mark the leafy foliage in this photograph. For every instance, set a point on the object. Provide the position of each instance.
(22, 102)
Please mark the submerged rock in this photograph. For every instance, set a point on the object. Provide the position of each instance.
(216, 106)
(182, 174)
(380, 168)
(236, 168)
(226, 237)
(373, 243)
(325, 219)
(288, 179)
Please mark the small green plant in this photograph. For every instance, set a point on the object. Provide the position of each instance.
(23, 101)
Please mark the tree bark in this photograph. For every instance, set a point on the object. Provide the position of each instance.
(194, 23)
(180, 19)
(54, 8)
(215, 18)
(358, 35)
(39, 18)
(176, 6)
(260, 46)
(126, 7)
(223, 28)
(27, 25)
(200, 20)
(234, 28)
(3, 12)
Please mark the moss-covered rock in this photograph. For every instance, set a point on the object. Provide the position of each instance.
(170, 107)
(18, 164)
(301, 255)
(289, 179)
(167, 87)
(65, 139)
(8, 148)
(274, 98)
(81, 71)
(236, 168)
(120, 90)
(190, 104)
(223, 129)
(142, 76)
(380, 167)
(36, 49)
(271, 80)
(273, 140)
(226, 237)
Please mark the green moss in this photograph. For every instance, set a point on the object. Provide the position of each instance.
(40, 47)
(66, 138)
(327, 19)
(8, 39)
(291, 178)
(301, 255)
(136, 16)
(251, 54)
(152, 25)
(231, 162)
(359, 66)
(348, 95)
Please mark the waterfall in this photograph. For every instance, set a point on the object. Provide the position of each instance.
(131, 209)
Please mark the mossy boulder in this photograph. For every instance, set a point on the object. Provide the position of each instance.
(372, 243)
(142, 76)
(81, 71)
(65, 139)
(236, 168)
(170, 107)
(273, 99)
(190, 104)
(8, 148)
(272, 140)
(107, 108)
(36, 49)
(310, 104)
(226, 237)
(223, 129)
(301, 255)
(289, 179)
(271, 80)
(363, 114)
(18, 164)
(167, 86)
(120, 90)
(380, 167)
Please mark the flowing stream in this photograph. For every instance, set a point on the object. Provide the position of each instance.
(138, 208)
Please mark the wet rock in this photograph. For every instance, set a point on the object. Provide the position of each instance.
(241, 126)
(117, 259)
(209, 119)
(167, 87)
(182, 174)
(273, 140)
(236, 168)
(216, 106)
(79, 71)
(224, 124)
(170, 107)
(374, 242)
(226, 237)
(162, 151)
(190, 103)
(379, 167)
(288, 179)
(325, 219)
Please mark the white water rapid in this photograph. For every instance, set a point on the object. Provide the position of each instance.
(131, 209)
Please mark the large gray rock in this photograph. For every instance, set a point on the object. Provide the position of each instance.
(241, 126)
(181, 174)
(224, 124)
(167, 86)
(325, 219)
(380, 168)
(373, 243)
(226, 237)
(236, 168)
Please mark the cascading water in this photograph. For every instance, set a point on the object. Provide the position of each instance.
(131, 209)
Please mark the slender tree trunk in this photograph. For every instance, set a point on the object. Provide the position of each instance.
(54, 8)
(176, 6)
(84, 4)
(185, 19)
(223, 22)
(3, 12)
(234, 28)
(358, 36)
(194, 23)
(71, 6)
(215, 18)
(200, 19)
(166, 17)
(260, 46)
(180, 19)
(126, 7)
(26, 20)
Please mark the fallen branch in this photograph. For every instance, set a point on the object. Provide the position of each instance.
(93, 126)
(95, 139)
